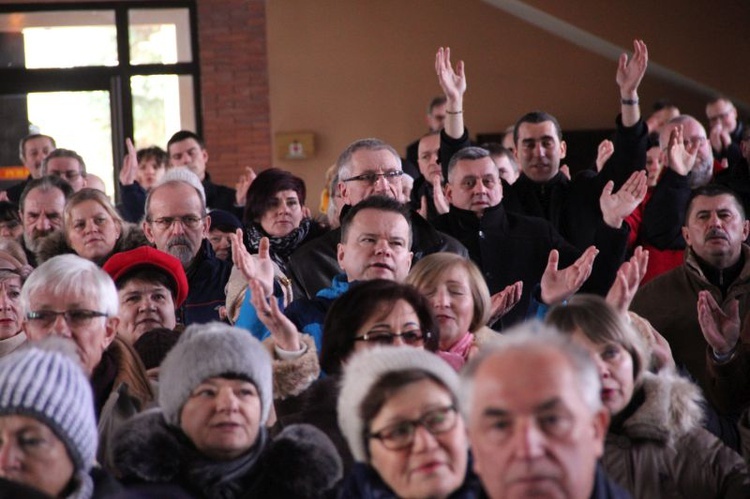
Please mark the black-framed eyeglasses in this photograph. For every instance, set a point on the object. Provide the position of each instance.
(411, 337)
(401, 435)
(187, 221)
(372, 178)
(74, 318)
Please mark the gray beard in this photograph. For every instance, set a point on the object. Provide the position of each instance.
(32, 244)
(701, 173)
(181, 248)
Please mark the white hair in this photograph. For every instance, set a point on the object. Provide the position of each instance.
(71, 275)
(535, 336)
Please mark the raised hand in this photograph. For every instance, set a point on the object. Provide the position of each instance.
(604, 152)
(627, 281)
(720, 328)
(260, 268)
(283, 331)
(630, 72)
(661, 352)
(616, 207)
(423, 207)
(503, 301)
(438, 196)
(681, 158)
(242, 185)
(719, 137)
(559, 285)
(129, 164)
(452, 82)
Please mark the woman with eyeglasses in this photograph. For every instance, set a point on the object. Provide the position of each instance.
(372, 313)
(93, 229)
(398, 410)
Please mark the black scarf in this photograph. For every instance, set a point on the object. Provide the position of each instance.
(281, 247)
(221, 479)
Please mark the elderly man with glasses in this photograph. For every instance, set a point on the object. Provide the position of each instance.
(71, 297)
(177, 223)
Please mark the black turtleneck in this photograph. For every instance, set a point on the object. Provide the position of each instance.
(721, 278)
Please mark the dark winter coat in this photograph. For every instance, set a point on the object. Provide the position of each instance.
(299, 463)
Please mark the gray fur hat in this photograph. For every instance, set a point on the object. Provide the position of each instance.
(44, 381)
(207, 351)
(366, 368)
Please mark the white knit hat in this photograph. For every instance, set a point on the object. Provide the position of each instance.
(44, 380)
(366, 368)
(206, 351)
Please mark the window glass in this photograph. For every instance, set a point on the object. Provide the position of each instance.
(80, 121)
(162, 105)
(159, 36)
(59, 39)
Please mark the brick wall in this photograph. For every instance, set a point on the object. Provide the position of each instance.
(234, 86)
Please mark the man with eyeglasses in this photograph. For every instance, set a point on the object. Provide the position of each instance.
(725, 130)
(177, 223)
(509, 248)
(367, 167)
(67, 165)
(71, 297)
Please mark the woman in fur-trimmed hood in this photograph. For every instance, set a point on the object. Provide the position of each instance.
(92, 229)
(208, 435)
(655, 446)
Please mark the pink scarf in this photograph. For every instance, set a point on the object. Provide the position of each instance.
(458, 353)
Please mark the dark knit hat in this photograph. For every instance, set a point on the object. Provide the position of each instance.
(146, 257)
(44, 380)
(207, 351)
(152, 346)
(224, 221)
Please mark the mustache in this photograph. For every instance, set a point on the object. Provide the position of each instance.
(716, 233)
(180, 241)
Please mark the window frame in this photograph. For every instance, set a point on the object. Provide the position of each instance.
(115, 79)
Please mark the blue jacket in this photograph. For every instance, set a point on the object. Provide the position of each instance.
(307, 314)
(207, 276)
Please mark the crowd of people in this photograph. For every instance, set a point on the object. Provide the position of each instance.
(499, 327)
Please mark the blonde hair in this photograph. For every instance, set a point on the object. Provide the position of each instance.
(90, 195)
(429, 269)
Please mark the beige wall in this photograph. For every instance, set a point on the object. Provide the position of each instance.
(358, 68)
